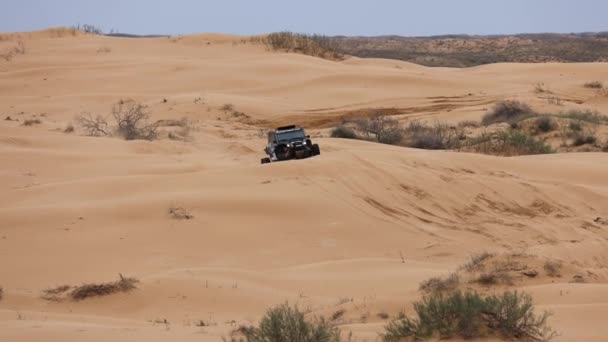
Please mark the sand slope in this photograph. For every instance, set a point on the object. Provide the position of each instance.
(357, 228)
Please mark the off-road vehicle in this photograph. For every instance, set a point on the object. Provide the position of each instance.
(289, 142)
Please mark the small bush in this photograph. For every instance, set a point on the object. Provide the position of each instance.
(286, 324)
(31, 122)
(470, 315)
(437, 136)
(575, 126)
(380, 128)
(55, 294)
(103, 289)
(545, 124)
(587, 116)
(343, 132)
(469, 123)
(507, 111)
(93, 126)
(179, 213)
(582, 139)
(441, 284)
(494, 278)
(508, 143)
(132, 121)
(312, 45)
(553, 268)
(594, 85)
(476, 262)
(69, 129)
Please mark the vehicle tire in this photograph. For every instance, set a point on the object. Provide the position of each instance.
(265, 160)
(316, 150)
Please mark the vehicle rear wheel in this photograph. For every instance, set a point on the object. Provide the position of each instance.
(316, 150)
(265, 160)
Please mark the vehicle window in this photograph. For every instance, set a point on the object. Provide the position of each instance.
(292, 135)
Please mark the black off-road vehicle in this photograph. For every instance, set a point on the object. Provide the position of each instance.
(289, 142)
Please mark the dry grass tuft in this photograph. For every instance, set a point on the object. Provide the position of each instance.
(103, 289)
(477, 261)
(594, 85)
(180, 213)
(441, 284)
(553, 268)
(31, 122)
(55, 294)
(1, 293)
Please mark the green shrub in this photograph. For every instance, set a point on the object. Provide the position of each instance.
(343, 132)
(545, 124)
(586, 115)
(471, 315)
(286, 324)
(507, 111)
(575, 126)
(583, 139)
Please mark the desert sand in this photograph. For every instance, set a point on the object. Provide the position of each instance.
(357, 228)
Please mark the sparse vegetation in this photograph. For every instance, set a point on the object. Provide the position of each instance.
(508, 143)
(94, 290)
(476, 262)
(78, 293)
(312, 45)
(471, 315)
(180, 213)
(132, 121)
(494, 278)
(31, 122)
(594, 85)
(553, 268)
(94, 126)
(545, 124)
(286, 324)
(343, 132)
(69, 128)
(507, 111)
(586, 116)
(380, 128)
(441, 284)
(1, 293)
(9, 53)
(435, 136)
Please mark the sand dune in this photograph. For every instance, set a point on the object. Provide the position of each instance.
(357, 228)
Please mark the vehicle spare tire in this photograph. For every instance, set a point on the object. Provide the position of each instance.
(316, 150)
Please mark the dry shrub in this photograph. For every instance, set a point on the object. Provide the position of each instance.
(1, 293)
(435, 136)
(494, 278)
(380, 128)
(343, 132)
(469, 123)
(594, 85)
(132, 121)
(103, 289)
(507, 111)
(312, 45)
(10, 53)
(553, 268)
(508, 143)
(545, 124)
(56, 293)
(441, 284)
(94, 126)
(69, 128)
(31, 122)
(476, 262)
(337, 314)
(586, 116)
(180, 213)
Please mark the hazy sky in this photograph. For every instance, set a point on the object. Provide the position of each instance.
(337, 17)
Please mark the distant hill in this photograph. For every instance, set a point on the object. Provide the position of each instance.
(467, 51)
